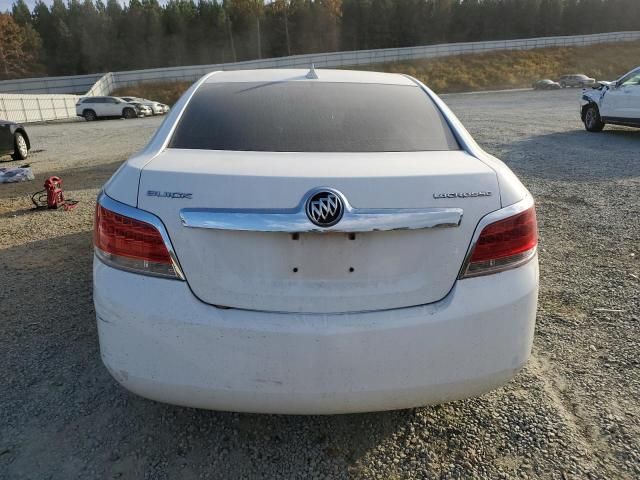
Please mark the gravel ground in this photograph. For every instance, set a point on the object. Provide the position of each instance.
(573, 413)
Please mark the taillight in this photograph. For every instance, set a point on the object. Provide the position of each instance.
(504, 244)
(131, 244)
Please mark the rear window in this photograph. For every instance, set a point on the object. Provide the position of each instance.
(312, 117)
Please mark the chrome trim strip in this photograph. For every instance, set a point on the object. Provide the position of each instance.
(295, 220)
(518, 207)
(128, 211)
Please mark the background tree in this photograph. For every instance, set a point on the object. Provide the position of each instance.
(19, 49)
(82, 36)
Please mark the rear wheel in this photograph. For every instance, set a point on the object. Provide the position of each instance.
(592, 120)
(563, 85)
(89, 115)
(129, 113)
(20, 150)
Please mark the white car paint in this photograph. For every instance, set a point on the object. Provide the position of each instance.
(179, 350)
(156, 108)
(617, 102)
(371, 321)
(104, 106)
(226, 268)
(143, 110)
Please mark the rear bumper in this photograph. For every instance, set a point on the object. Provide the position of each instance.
(162, 343)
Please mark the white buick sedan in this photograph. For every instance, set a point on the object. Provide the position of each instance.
(313, 243)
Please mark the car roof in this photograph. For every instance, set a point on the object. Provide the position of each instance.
(323, 75)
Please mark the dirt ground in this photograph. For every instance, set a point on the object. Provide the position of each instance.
(573, 413)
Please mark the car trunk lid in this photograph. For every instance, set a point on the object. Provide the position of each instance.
(318, 272)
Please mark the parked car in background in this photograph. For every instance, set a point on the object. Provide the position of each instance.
(616, 103)
(314, 243)
(576, 80)
(143, 110)
(157, 108)
(14, 140)
(92, 108)
(546, 84)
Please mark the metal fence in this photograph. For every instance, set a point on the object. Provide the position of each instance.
(104, 84)
(367, 57)
(36, 108)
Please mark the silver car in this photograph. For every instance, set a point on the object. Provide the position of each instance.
(577, 80)
(546, 84)
(143, 110)
(157, 108)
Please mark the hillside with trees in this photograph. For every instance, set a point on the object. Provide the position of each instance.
(89, 36)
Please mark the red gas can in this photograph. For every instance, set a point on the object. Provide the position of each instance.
(55, 197)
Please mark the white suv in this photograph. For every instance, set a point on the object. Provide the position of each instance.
(617, 103)
(301, 243)
(92, 108)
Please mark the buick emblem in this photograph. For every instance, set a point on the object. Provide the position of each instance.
(325, 208)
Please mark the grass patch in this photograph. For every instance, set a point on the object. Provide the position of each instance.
(163, 92)
(518, 68)
(482, 71)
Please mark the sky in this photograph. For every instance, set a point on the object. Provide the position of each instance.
(6, 4)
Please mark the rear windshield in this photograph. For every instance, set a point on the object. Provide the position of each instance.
(309, 116)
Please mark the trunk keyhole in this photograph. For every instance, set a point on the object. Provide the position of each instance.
(351, 269)
(295, 269)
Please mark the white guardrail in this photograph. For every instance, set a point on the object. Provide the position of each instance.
(30, 90)
(21, 108)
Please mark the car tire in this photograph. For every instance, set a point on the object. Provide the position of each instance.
(89, 115)
(563, 85)
(592, 120)
(129, 113)
(20, 147)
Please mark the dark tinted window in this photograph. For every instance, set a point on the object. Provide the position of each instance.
(632, 79)
(312, 117)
